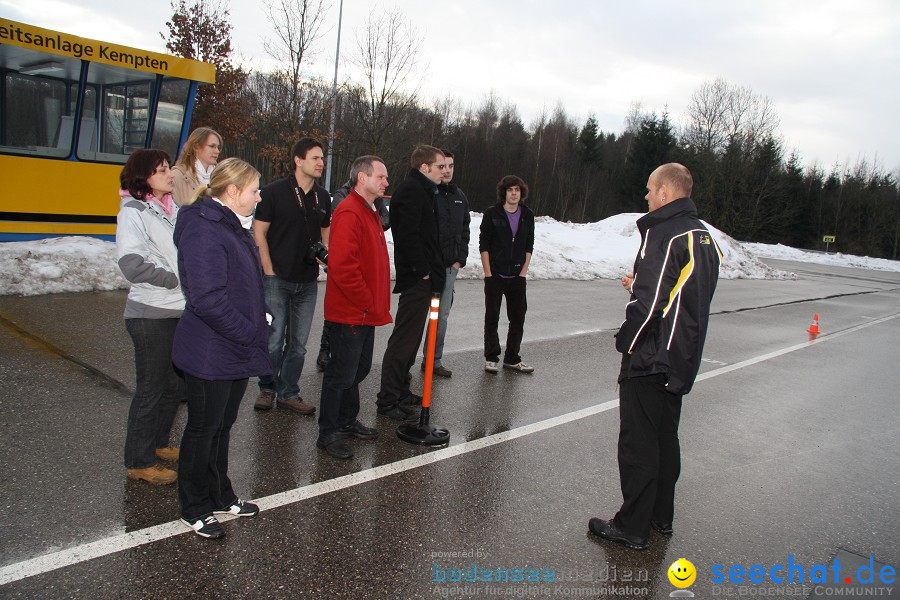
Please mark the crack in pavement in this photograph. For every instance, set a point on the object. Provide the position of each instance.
(92, 371)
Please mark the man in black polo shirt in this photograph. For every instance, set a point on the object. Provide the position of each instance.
(294, 214)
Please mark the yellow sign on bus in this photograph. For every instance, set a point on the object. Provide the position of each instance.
(64, 44)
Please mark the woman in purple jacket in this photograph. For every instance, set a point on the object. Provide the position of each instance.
(221, 340)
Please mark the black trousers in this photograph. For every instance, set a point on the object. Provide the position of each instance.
(203, 484)
(402, 346)
(495, 288)
(351, 358)
(649, 453)
(157, 393)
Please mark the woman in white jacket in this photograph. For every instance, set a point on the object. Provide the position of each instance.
(148, 259)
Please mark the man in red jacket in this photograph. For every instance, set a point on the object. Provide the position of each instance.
(357, 299)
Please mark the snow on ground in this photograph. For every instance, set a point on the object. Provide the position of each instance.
(603, 250)
(838, 259)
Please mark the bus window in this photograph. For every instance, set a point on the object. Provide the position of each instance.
(121, 124)
(36, 100)
(170, 115)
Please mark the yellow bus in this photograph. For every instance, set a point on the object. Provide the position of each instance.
(71, 111)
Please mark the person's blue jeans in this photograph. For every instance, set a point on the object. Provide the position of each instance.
(351, 359)
(203, 483)
(443, 315)
(157, 394)
(292, 306)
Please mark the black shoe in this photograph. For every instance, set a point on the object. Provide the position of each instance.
(334, 445)
(239, 509)
(663, 528)
(322, 359)
(609, 531)
(396, 412)
(411, 402)
(439, 371)
(359, 430)
(206, 526)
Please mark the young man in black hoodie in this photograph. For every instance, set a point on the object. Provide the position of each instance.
(506, 243)
(419, 273)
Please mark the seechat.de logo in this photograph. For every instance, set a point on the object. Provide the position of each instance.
(795, 572)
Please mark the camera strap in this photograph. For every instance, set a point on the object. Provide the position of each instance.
(299, 195)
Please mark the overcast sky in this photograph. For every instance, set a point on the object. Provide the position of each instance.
(832, 69)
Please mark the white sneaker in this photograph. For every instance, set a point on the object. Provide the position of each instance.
(519, 366)
(491, 366)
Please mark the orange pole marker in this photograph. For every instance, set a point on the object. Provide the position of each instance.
(429, 352)
(814, 328)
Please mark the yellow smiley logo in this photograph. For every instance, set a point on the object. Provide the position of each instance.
(682, 573)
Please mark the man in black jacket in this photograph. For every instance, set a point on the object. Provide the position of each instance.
(419, 273)
(506, 242)
(453, 225)
(661, 341)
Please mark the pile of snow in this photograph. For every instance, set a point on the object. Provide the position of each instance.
(54, 265)
(603, 250)
(606, 250)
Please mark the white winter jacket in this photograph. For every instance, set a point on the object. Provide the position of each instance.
(149, 260)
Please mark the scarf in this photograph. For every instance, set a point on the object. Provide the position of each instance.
(246, 222)
(202, 172)
(166, 203)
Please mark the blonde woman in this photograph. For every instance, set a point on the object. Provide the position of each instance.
(222, 338)
(198, 159)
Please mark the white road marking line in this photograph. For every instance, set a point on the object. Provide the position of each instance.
(713, 362)
(117, 543)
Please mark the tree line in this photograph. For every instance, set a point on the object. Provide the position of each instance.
(745, 182)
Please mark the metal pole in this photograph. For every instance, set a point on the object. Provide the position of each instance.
(337, 57)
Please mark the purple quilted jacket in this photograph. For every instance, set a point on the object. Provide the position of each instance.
(223, 332)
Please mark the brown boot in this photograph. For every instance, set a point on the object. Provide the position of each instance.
(156, 475)
(297, 405)
(167, 453)
(265, 401)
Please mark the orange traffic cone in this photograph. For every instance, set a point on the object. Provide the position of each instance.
(814, 328)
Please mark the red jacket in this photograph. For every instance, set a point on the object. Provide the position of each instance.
(358, 289)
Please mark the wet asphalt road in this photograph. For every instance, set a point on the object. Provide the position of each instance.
(788, 449)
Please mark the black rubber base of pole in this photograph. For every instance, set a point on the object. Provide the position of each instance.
(423, 435)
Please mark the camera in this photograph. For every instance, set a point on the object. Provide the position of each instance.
(316, 250)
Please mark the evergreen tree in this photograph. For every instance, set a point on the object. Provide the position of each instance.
(652, 146)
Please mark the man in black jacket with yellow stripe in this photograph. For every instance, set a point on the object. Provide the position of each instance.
(661, 341)
(419, 273)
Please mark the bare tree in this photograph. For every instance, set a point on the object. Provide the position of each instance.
(388, 52)
(707, 117)
(297, 25)
(722, 115)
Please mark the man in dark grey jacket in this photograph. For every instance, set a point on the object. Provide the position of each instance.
(661, 341)
(419, 273)
(453, 224)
